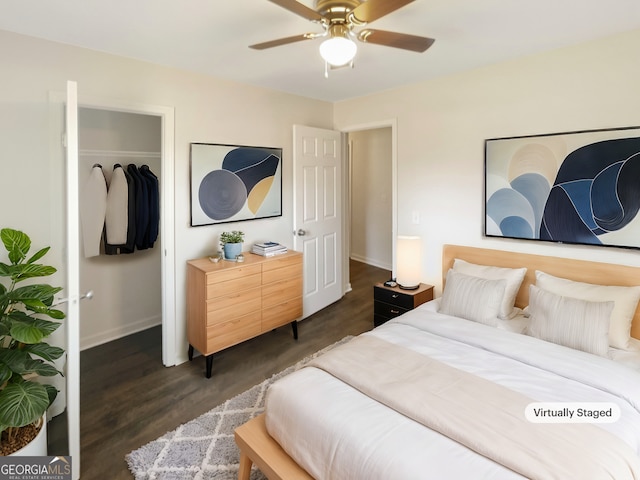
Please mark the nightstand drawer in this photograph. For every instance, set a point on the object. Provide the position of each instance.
(387, 310)
(390, 302)
(393, 297)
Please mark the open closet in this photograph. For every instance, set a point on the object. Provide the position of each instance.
(125, 279)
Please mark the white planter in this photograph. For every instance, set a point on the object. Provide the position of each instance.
(38, 446)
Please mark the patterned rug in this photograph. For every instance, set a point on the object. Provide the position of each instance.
(204, 448)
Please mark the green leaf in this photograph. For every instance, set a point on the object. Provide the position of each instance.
(44, 350)
(42, 292)
(5, 373)
(17, 244)
(24, 271)
(52, 392)
(32, 330)
(21, 363)
(15, 360)
(22, 403)
(5, 270)
(39, 254)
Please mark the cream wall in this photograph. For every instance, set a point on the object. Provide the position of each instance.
(206, 110)
(442, 125)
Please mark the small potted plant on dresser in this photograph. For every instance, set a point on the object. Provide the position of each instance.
(24, 356)
(232, 243)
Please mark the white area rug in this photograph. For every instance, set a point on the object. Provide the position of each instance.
(204, 448)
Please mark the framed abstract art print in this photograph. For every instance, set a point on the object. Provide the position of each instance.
(577, 187)
(231, 183)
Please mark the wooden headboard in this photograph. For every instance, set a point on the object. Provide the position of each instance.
(578, 270)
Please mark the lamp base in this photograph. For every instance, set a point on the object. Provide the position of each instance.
(409, 287)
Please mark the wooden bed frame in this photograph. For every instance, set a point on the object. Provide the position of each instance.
(578, 270)
(259, 448)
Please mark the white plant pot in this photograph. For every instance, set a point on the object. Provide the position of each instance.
(38, 446)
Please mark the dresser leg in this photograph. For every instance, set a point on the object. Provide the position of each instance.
(294, 327)
(190, 352)
(209, 359)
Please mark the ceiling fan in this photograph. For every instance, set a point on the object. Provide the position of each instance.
(339, 19)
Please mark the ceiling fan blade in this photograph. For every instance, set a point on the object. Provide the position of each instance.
(372, 10)
(282, 41)
(394, 39)
(299, 9)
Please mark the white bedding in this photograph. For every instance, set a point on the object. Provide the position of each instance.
(335, 432)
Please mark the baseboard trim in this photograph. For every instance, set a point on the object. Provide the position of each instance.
(370, 261)
(100, 338)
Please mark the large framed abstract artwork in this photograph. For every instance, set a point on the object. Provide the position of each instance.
(230, 183)
(576, 187)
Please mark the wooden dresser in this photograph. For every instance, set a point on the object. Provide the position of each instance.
(229, 302)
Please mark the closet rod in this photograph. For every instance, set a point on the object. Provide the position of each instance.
(118, 154)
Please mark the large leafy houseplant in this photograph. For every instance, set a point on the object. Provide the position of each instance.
(27, 319)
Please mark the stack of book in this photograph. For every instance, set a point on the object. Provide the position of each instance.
(268, 249)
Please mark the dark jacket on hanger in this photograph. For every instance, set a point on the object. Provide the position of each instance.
(153, 196)
(142, 206)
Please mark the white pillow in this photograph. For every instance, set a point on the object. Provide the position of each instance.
(512, 276)
(472, 298)
(625, 298)
(571, 322)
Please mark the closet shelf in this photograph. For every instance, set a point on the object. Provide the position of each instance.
(118, 154)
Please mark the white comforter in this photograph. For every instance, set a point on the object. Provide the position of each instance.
(335, 432)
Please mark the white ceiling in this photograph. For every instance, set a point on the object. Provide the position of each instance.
(212, 37)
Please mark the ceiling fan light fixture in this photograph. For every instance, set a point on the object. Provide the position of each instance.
(338, 50)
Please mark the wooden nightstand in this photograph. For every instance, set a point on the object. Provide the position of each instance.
(389, 302)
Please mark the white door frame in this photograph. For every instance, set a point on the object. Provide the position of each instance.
(73, 277)
(167, 229)
(346, 191)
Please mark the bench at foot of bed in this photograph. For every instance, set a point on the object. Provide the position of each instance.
(257, 446)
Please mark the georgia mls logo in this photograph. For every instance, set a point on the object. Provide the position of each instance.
(35, 468)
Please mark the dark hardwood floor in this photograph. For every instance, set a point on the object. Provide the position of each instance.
(128, 398)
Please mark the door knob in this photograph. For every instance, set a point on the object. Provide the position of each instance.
(88, 295)
(301, 232)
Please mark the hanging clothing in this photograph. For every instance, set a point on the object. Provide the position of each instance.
(130, 228)
(142, 205)
(117, 216)
(93, 208)
(124, 214)
(153, 196)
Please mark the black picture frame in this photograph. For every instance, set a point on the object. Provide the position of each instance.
(578, 187)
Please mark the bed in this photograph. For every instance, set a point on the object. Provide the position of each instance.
(483, 382)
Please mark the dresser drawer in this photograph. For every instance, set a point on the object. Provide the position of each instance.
(249, 282)
(278, 292)
(226, 308)
(284, 272)
(393, 297)
(234, 331)
(279, 261)
(281, 314)
(387, 310)
(228, 274)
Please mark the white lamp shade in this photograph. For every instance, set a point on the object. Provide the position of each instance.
(408, 261)
(338, 51)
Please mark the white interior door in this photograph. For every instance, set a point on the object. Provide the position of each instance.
(317, 171)
(73, 278)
